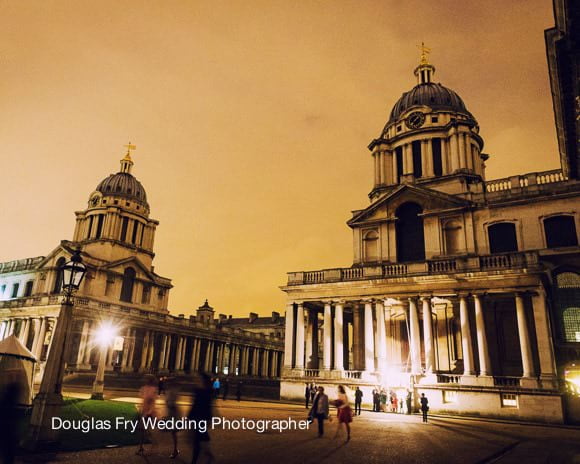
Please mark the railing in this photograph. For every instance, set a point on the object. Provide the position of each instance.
(351, 374)
(447, 265)
(519, 260)
(448, 378)
(311, 372)
(506, 381)
(352, 273)
(525, 181)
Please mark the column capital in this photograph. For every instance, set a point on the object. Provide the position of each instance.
(389, 301)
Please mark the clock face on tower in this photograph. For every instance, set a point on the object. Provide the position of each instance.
(415, 120)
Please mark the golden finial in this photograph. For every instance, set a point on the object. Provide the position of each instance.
(129, 147)
(424, 53)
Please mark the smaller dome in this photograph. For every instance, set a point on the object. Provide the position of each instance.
(435, 96)
(125, 185)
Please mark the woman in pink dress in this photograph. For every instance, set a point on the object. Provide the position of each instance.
(344, 412)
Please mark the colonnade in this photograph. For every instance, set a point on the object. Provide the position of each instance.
(370, 319)
(32, 332)
(455, 153)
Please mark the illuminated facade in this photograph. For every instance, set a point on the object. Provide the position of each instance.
(458, 283)
(115, 235)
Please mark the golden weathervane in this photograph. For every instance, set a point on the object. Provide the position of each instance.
(130, 147)
(424, 53)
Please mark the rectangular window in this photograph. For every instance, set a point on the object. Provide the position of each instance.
(437, 161)
(449, 396)
(146, 297)
(90, 227)
(15, 290)
(124, 227)
(434, 119)
(134, 235)
(28, 288)
(2, 290)
(417, 166)
(509, 400)
(100, 221)
(399, 155)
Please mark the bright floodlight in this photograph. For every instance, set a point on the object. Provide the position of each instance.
(105, 334)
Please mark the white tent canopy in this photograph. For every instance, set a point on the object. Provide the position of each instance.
(17, 366)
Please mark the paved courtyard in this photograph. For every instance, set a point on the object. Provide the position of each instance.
(376, 438)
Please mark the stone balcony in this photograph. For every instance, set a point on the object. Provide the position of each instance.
(522, 260)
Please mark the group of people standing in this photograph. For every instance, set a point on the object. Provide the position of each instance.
(384, 401)
(201, 410)
(320, 410)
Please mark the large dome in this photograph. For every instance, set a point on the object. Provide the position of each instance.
(429, 94)
(125, 185)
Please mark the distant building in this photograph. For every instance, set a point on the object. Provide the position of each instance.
(272, 326)
(115, 235)
(462, 288)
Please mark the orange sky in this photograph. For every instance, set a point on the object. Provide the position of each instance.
(251, 120)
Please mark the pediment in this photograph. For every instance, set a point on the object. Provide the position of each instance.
(121, 264)
(430, 201)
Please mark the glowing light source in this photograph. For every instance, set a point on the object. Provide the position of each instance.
(105, 334)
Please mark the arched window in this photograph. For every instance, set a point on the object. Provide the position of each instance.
(567, 296)
(560, 231)
(502, 237)
(371, 246)
(410, 235)
(58, 281)
(452, 232)
(128, 283)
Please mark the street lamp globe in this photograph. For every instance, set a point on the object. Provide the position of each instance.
(72, 273)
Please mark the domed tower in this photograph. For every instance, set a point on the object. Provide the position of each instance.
(430, 138)
(116, 223)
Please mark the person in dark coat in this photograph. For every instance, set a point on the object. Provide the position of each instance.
(409, 402)
(358, 395)
(239, 391)
(424, 406)
(320, 410)
(376, 400)
(307, 395)
(201, 411)
(225, 388)
(10, 417)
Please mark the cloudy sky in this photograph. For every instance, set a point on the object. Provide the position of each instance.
(251, 120)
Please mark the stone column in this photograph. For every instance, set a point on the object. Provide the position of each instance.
(145, 349)
(192, 365)
(178, 353)
(327, 364)
(289, 336)
(381, 338)
(462, 154)
(338, 341)
(394, 166)
(161, 364)
(356, 341)
(369, 339)
(482, 346)
(525, 344)
(84, 341)
(24, 330)
(408, 159)
(40, 339)
(444, 155)
(131, 351)
(3, 329)
(454, 151)
(428, 336)
(544, 338)
(300, 337)
(468, 368)
(415, 337)
(428, 157)
(377, 168)
(309, 347)
(382, 174)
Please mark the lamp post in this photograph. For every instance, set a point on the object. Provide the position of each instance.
(48, 401)
(104, 336)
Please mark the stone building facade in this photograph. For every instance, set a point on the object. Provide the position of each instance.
(460, 286)
(115, 235)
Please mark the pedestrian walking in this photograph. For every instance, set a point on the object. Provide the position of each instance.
(201, 412)
(376, 400)
(148, 395)
(319, 410)
(409, 402)
(383, 400)
(171, 392)
(358, 395)
(216, 387)
(226, 389)
(344, 412)
(424, 406)
(307, 395)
